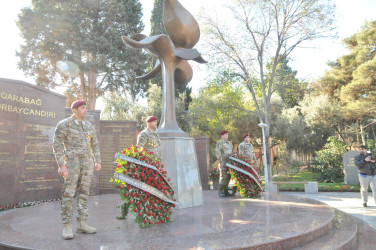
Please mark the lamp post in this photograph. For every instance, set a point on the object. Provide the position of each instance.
(263, 126)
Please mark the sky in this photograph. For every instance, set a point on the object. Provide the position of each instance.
(310, 63)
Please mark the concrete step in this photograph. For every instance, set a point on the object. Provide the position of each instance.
(343, 235)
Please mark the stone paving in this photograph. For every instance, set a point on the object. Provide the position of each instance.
(348, 202)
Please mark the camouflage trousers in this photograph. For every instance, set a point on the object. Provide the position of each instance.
(80, 172)
(224, 178)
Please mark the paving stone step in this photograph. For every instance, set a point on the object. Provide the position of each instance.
(343, 235)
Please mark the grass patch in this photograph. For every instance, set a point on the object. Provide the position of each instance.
(309, 176)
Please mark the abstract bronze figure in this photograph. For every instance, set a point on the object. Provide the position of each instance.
(172, 51)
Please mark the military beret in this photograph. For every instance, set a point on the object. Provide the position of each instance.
(246, 135)
(224, 132)
(77, 104)
(151, 118)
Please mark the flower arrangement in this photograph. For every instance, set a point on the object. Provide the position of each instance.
(214, 174)
(143, 186)
(247, 180)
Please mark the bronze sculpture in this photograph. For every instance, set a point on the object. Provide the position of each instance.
(172, 51)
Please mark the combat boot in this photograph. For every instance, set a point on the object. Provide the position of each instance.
(67, 231)
(85, 228)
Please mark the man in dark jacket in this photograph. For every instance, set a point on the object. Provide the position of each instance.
(367, 174)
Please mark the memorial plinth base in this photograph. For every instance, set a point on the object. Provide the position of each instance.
(180, 160)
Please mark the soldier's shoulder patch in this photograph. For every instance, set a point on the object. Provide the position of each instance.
(61, 125)
(64, 123)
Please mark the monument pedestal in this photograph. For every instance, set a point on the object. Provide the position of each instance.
(180, 160)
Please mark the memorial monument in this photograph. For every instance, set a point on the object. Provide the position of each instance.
(173, 51)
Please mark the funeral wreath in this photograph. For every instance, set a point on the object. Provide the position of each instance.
(144, 187)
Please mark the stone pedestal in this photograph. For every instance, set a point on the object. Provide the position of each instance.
(311, 187)
(271, 187)
(180, 160)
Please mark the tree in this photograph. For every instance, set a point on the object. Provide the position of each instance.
(87, 35)
(288, 87)
(352, 81)
(265, 29)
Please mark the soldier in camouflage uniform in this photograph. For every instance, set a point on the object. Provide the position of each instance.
(149, 139)
(246, 148)
(223, 150)
(76, 150)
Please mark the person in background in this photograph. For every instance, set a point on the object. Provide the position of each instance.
(223, 150)
(367, 173)
(246, 148)
(149, 139)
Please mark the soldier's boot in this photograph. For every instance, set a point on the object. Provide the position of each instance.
(67, 231)
(227, 193)
(85, 228)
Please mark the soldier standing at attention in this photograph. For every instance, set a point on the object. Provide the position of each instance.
(76, 150)
(149, 139)
(223, 150)
(246, 148)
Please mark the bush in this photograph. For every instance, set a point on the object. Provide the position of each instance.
(328, 161)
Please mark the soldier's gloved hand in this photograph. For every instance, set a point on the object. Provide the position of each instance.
(97, 166)
(63, 171)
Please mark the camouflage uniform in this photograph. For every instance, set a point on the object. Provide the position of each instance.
(74, 145)
(150, 141)
(222, 150)
(247, 149)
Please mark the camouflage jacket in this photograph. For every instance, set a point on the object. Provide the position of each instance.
(150, 141)
(223, 149)
(247, 149)
(73, 137)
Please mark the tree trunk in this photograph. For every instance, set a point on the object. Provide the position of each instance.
(92, 89)
(83, 86)
(362, 133)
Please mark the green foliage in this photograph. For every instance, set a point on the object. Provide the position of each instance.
(352, 82)
(328, 161)
(223, 105)
(289, 88)
(121, 107)
(87, 33)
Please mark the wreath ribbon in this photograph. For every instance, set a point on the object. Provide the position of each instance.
(138, 162)
(244, 163)
(243, 172)
(143, 186)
